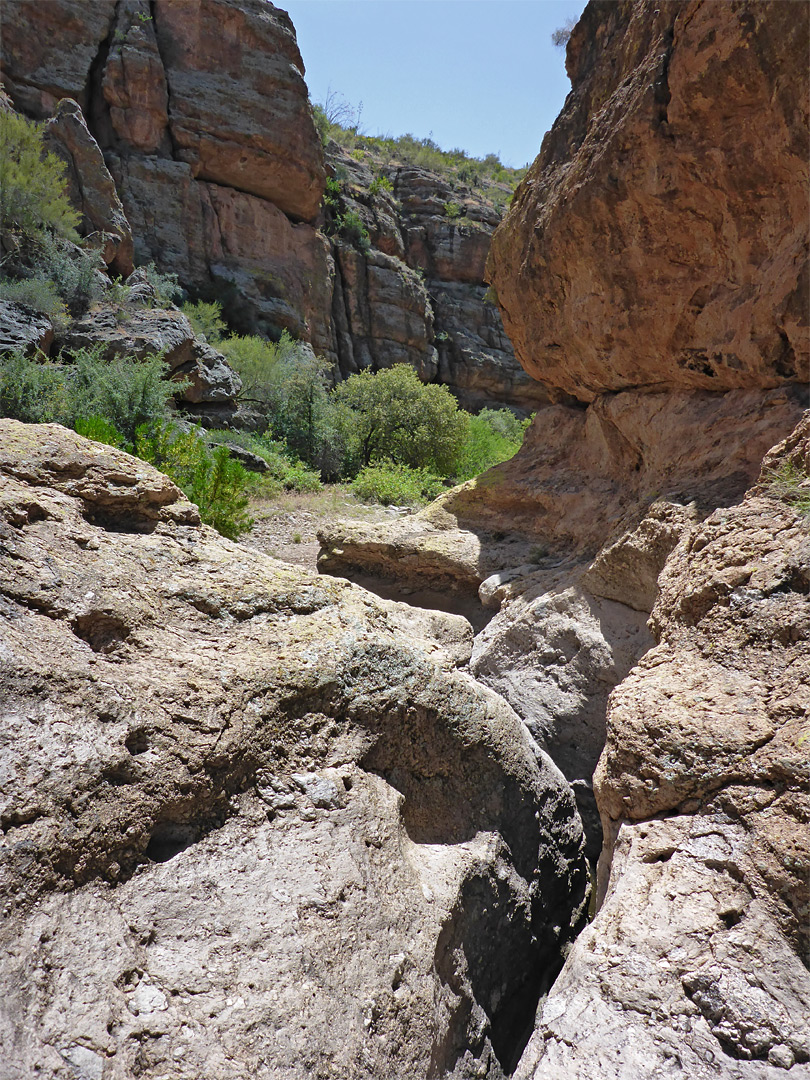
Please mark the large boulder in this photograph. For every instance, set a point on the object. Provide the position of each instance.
(698, 954)
(660, 238)
(248, 825)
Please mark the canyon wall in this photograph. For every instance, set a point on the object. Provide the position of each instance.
(650, 616)
(202, 114)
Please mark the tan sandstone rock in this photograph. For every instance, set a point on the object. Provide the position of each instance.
(249, 827)
(660, 238)
(698, 956)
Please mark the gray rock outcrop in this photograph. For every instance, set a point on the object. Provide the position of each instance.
(248, 825)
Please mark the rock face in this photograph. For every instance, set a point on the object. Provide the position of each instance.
(202, 115)
(418, 295)
(90, 186)
(660, 238)
(699, 953)
(249, 827)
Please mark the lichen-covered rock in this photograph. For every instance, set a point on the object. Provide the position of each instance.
(660, 239)
(699, 952)
(249, 826)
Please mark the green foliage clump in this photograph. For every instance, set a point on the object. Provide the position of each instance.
(380, 183)
(40, 294)
(32, 184)
(33, 392)
(166, 287)
(206, 319)
(396, 485)
(349, 226)
(453, 210)
(217, 483)
(789, 483)
(284, 470)
(493, 436)
(393, 415)
(123, 391)
(100, 430)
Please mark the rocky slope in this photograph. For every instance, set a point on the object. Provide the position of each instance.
(203, 118)
(248, 825)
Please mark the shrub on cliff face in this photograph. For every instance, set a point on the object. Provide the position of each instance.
(32, 184)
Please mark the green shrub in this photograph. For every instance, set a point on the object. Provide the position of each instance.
(493, 436)
(100, 430)
(32, 185)
(453, 210)
(73, 272)
(350, 227)
(167, 289)
(288, 382)
(287, 472)
(40, 294)
(392, 484)
(393, 415)
(206, 319)
(125, 391)
(217, 483)
(380, 183)
(33, 391)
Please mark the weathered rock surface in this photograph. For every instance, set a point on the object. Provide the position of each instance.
(660, 238)
(582, 477)
(47, 50)
(132, 330)
(249, 827)
(226, 51)
(698, 957)
(90, 186)
(23, 329)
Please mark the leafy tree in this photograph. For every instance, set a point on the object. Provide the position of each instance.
(393, 415)
(206, 319)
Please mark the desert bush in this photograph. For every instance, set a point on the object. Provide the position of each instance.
(40, 294)
(206, 319)
(213, 480)
(493, 436)
(100, 430)
(453, 210)
(127, 392)
(32, 184)
(789, 484)
(393, 415)
(395, 485)
(380, 183)
(33, 391)
(166, 287)
(288, 472)
(72, 271)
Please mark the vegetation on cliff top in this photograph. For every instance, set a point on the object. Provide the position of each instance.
(336, 119)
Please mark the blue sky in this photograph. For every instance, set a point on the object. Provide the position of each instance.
(482, 75)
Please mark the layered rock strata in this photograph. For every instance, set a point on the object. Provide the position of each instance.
(248, 825)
